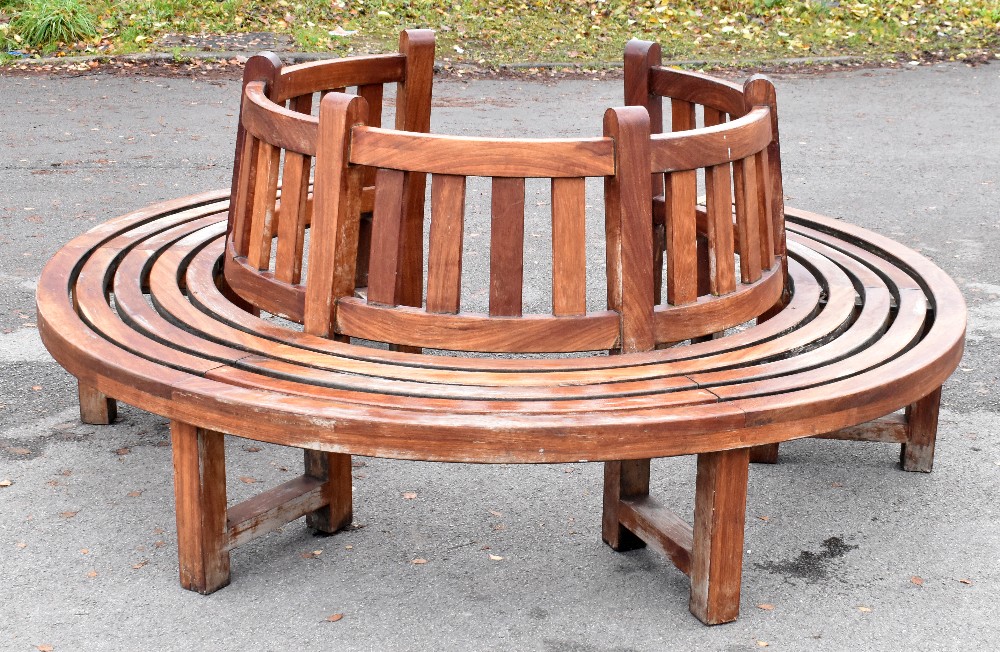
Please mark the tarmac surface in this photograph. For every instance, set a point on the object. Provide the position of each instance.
(843, 550)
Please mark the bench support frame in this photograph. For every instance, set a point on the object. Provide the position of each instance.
(710, 552)
(207, 530)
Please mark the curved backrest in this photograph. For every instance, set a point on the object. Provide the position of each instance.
(437, 320)
(271, 204)
(724, 252)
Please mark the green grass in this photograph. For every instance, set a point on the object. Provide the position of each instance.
(502, 31)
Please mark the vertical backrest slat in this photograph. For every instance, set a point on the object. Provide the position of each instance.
(334, 233)
(682, 115)
(506, 246)
(748, 238)
(681, 247)
(292, 211)
(628, 215)
(263, 67)
(719, 210)
(262, 207)
(766, 229)
(387, 232)
(569, 246)
(413, 113)
(444, 258)
(239, 208)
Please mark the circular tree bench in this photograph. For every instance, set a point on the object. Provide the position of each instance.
(768, 324)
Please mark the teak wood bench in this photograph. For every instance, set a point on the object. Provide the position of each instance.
(768, 324)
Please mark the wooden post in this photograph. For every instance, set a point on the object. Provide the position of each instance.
(96, 407)
(719, 516)
(917, 454)
(335, 469)
(200, 494)
(624, 479)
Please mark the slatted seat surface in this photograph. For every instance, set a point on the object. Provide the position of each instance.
(133, 308)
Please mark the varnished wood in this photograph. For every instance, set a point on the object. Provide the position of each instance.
(200, 492)
(623, 480)
(96, 407)
(717, 550)
(333, 471)
(917, 453)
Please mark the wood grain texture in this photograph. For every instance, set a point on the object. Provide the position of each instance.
(333, 471)
(660, 528)
(200, 493)
(681, 245)
(506, 246)
(569, 247)
(717, 552)
(444, 257)
(623, 480)
(917, 453)
(95, 407)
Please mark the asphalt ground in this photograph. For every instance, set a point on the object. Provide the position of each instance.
(843, 550)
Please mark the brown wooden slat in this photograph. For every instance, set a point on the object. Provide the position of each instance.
(474, 332)
(569, 247)
(623, 480)
(95, 407)
(747, 234)
(271, 509)
(506, 246)
(719, 223)
(241, 217)
(707, 146)
(762, 171)
(265, 198)
(334, 471)
(333, 73)
(275, 124)
(889, 429)
(698, 89)
(682, 115)
(293, 208)
(444, 258)
(484, 157)
(660, 528)
(681, 247)
(386, 237)
(917, 453)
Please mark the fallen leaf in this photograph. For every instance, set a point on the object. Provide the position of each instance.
(36, 387)
(5, 483)
(317, 553)
(19, 451)
(762, 643)
(418, 561)
(159, 544)
(44, 648)
(495, 513)
(864, 610)
(496, 558)
(764, 518)
(140, 564)
(836, 485)
(68, 514)
(919, 581)
(124, 450)
(309, 555)
(66, 472)
(252, 449)
(766, 607)
(158, 530)
(409, 495)
(84, 551)
(334, 618)
(92, 574)
(965, 581)
(348, 547)
(247, 479)
(134, 493)
(22, 545)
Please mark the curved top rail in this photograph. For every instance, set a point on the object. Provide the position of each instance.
(708, 146)
(698, 89)
(317, 76)
(274, 124)
(486, 157)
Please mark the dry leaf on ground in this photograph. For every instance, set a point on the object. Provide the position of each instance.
(246, 479)
(334, 618)
(965, 581)
(919, 581)
(5, 483)
(766, 607)
(864, 610)
(68, 514)
(496, 558)
(418, 561)
(44, 648)
(409, 495)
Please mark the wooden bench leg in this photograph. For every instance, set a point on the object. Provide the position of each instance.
(200, 492)
(335, 470)
(764, 454)
(917, 454)
(95, 407)
(719, 518)
(622, 480)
